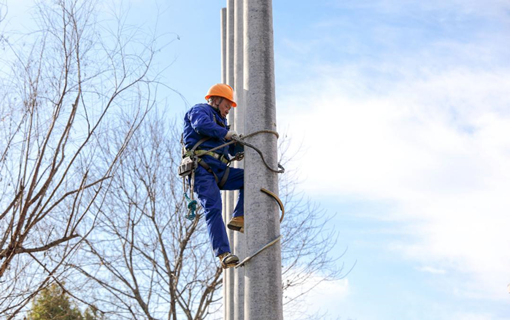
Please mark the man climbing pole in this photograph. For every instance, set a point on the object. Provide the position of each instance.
(205, 128)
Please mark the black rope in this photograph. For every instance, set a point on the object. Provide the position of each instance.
(240, 139)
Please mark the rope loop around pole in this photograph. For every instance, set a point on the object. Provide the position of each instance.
(241, 138)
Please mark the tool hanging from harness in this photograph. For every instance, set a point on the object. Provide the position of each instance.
(187, 168)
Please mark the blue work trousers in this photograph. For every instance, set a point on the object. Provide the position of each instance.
(209, 196)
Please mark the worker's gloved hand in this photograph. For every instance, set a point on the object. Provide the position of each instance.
(230, 134)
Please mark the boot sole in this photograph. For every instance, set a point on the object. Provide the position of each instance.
(229, 265)
(235, 228)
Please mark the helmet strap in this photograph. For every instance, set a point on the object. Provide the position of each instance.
(215, 102)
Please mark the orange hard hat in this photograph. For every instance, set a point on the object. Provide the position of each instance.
(221, 90)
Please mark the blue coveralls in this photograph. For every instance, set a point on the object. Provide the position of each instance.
(202, 120)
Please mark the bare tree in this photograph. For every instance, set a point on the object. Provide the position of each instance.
(64, 90)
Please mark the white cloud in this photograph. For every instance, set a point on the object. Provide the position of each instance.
(432, 270)
(437, 145)
(423, 124)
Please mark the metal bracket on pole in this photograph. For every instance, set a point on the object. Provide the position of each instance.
(242, 263)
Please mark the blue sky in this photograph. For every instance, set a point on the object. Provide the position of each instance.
(407, 104)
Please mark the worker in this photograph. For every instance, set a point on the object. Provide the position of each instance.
(205, 127)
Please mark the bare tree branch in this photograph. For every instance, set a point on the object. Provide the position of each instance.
(43, 248)
(58, 106)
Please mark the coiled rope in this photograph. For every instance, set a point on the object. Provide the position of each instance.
(241, 138)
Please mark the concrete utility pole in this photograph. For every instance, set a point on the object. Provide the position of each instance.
(227, 76)
(255, 290)
(263, 278)
(239, 238)
(223, 45)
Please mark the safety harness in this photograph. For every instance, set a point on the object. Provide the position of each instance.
(198, 154)
(193, 157)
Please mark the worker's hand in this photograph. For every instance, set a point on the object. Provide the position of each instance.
(230, 134)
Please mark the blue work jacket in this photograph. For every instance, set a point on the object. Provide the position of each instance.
(201, 121)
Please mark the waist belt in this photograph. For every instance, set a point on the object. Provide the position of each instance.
(215, 155)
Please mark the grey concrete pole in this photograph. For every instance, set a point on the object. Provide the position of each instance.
(230, 42)
(263, 279)
(224, 64)
(228, 199)
(239, 238)
(223, 45)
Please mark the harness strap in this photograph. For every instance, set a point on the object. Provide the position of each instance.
(224, 179)
(200, 153)
(208, 168)
(192, 151)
